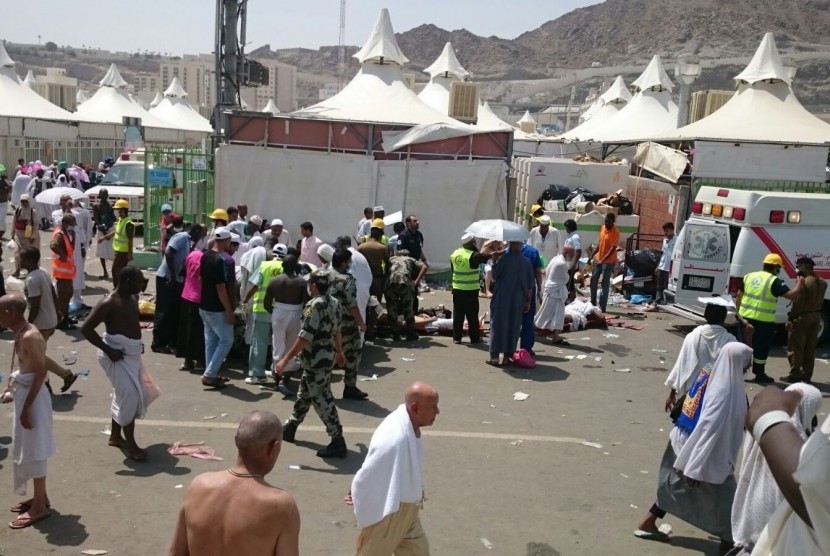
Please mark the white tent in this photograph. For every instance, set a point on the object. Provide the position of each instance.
(156, 100)
(19, 101)
(443, 71)
(490, 120)
(604, 108)
(81, 97)
(378, 93)
(650, 112)
(30, 80)
(175, 109)
(271, 107)
(111, 103)
(764, 109)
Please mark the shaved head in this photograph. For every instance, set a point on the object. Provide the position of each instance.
(418, 391)
(421, 400)
(12, 303)
(256, 431)
(568, 251)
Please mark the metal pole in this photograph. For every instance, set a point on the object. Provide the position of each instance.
(683, 105)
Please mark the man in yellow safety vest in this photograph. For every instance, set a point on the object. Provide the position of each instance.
(756, 303)
(261, 334)
(465, 287)
(122, 239)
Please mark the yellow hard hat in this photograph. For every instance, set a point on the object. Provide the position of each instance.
(378, 223)
(121, 204)
(534, 209)
(773, 259)
(219, 214)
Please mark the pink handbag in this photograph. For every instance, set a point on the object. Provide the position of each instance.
(523, 359)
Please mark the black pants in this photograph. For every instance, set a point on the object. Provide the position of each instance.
(465, 305)
(662, 284)
(762, 340)
(166, 321)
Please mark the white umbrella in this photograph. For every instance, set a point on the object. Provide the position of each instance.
(500, 230)
(53, 196)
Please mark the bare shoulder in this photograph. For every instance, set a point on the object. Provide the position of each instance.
(32, 338)
(279, 502)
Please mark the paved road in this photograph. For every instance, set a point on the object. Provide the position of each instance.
(566, 472)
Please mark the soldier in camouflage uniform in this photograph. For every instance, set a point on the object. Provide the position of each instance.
(403, 270)
(344, 289)
(320, 348)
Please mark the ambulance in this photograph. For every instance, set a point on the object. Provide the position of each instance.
(727, 236)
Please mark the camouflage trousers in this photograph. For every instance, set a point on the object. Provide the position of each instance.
(315, 390)
(353, 350)
(399, 302)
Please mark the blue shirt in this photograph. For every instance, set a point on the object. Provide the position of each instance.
(532, 255)
(180, 244)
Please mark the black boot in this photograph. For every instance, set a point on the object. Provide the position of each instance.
(354, 393)
(289, 429)
(335, 449)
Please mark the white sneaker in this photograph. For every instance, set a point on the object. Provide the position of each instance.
(255, 380)
(269, 373)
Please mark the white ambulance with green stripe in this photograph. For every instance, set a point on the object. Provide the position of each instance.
(730, 232)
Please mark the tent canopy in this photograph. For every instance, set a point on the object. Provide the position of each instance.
(175, 89)
(271, 107)
(617, 92)
(175, 109)
(20, 101)
(447, 64)
(602, 110)
(763, 110)
(653, 77)
(382, 45)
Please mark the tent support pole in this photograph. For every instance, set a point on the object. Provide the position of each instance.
(406, 181)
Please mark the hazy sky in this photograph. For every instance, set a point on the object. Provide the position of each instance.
(187, 26)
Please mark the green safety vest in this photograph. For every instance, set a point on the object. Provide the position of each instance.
(463, 277)
(120, 241)
(757, 302)
(268, 269)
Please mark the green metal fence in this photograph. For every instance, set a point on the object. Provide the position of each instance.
(182, 177)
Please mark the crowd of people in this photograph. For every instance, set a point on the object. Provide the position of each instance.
(299, 310)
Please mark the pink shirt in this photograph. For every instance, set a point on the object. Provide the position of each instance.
(192, 280)
(308, 251)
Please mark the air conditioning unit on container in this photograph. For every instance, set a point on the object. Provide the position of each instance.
(464, 101)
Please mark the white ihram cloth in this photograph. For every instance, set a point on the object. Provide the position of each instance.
(579, 310)
(128, 396)
(758, 495)
(786, 533)
(709, 453)
(551, 314)
(362, 273)
(392, 471)
(548, 246)
(83, 233)
(700, 349)
(286, 321)
(32, 447)
(20, 186)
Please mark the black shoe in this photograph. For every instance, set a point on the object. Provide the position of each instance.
(457, 341)
(763, 379)
(790, 379)
(396, 337)
(335, 449)
(412, 337)
(161, 349)
(354, 393)
(68, 382)
(289, 429)
(285, 390)
(66, 325)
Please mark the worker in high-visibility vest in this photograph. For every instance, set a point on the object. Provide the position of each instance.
(756, 303)
(261, 334)
(122, 239)
(63, 267)
(465, 287)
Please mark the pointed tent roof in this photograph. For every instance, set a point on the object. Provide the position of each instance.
(113, 78)
(382, 44)
(527, 118)
(111, 103)
(765, 64)
(490, 120)
(379, 92)
(654, 76)
(19, 101)
(271, 107)
(175, 89)
(156, 100)
(30, 79)
(650, 112)
(81, 96)
(447, 64)
(617, 92)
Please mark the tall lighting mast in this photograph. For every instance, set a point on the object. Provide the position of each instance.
(341, 70)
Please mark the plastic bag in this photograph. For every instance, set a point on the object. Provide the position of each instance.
(637, 299)
(151, 389)
(523, 359)
(12, 244)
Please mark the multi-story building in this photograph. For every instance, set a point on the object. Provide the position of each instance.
(57, 88)
(146, 82)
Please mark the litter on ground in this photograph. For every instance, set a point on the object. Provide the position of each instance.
(520, 396)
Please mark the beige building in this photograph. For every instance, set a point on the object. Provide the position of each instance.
(146, 82)
(57, 88)
(196, 72)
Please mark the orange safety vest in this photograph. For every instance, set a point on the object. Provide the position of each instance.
(64, 270)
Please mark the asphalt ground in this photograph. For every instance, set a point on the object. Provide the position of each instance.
(567, 471)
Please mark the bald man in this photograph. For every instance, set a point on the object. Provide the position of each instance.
(388, 490)
(236, 510)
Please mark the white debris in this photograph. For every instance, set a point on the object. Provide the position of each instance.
(295, 467)
(633, 506)
(520, 396)
(610, 335)
(581, 356)
(408, 359)
(179, 486)
(586, 339)
(516, 443)
(486, 544)
(368, 378)
(623, 475)
(208, 417)
(665, 528)
(623, 370)
(223, 415)
(597, 358)
(94, 552)
(591, 444)
(570, 357)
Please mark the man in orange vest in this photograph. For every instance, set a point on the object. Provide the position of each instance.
(63, 267)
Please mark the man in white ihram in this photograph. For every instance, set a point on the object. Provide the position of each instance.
(388, 490)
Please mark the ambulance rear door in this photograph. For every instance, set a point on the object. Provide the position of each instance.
(700, 263)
